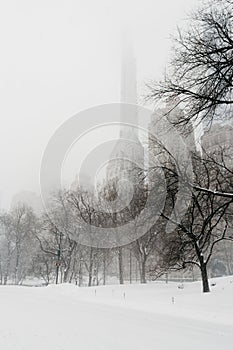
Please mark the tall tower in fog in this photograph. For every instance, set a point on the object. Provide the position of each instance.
(128, 151)
(128, 72)
(128, 88)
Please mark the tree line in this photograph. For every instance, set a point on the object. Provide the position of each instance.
(47, 246)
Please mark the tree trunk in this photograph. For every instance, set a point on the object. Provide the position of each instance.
(1, 275)
(91, 263)
(104, 268)
(204, 276)
(130, 266)
(5, 279)
(67, 270)
(90, 278)
(97, 274)
(17, 266)
(136, 270)
(120, 265)
(80, 274)
(143, 271)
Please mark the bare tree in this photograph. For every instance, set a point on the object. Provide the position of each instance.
(200, 76)
(18, 240)
(142, 249)
(205, 224)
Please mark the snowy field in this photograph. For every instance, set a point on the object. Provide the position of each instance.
(132, 317)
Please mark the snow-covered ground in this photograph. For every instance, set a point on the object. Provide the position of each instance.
(129, 317)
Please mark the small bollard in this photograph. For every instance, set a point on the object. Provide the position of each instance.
(95, 292)
(173, 300)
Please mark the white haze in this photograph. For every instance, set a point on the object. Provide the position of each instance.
(60, 57)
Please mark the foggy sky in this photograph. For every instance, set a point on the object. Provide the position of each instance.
(60, 57)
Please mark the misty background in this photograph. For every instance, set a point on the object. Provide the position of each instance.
(61, 57)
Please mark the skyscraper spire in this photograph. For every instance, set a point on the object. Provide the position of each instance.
(128, 86)
(128, 153)
(128, 71)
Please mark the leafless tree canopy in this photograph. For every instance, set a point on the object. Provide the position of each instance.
(201, 71)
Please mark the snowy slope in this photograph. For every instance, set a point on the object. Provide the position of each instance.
(132, 317)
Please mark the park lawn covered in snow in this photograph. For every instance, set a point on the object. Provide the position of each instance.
(128, 317)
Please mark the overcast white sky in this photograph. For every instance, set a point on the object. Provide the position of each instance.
(60, 57)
